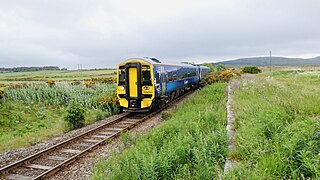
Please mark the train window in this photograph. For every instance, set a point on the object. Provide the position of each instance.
(157, 77)
(169, 76)
(145, 67)
(183, 75)
(146, 78)
(122, 77)
(175, 77)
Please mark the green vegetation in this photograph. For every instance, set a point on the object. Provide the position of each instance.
(34, 111)
(251, 70)
(278, 125)
(24, 69)
(212, 68)
(62, 75)
(60, 94)
(75, 116)
(220, 76)
(190, 144)
(220, 67)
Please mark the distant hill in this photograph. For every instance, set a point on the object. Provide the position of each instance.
(25, 69)
(275, 61)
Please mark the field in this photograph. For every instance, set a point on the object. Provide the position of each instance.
(277, 125)
(33, 110)
(266, 69)
(62, 75)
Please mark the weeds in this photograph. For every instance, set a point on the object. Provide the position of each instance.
(277, 127)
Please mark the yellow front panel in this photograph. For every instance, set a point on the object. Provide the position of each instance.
(123, 102)
(146, 103)
(133, 78)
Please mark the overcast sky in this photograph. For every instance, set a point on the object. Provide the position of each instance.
(102, 33)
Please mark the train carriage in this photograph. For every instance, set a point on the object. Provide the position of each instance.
(146, 83)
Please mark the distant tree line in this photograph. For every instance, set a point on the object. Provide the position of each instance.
(24, 69)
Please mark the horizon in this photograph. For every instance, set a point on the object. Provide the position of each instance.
(217, 61)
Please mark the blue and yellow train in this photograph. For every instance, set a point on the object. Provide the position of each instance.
(144, 84)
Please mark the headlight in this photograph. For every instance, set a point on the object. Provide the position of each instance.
(121, 88)
(146, 88)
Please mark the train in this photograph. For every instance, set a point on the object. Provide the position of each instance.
(145, 84)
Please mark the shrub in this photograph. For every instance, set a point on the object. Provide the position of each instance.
(51, 82)
(108, 103)
(223, 76)
(90, 84)
(1, 94)
(220, 67)
(209, 66)
(251, 70)
(75, 116)
(106, 80)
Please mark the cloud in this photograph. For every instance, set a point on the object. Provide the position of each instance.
(103, 33)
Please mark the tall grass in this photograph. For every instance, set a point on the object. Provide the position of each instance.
(35, 112)
(278, 127)
(60, 94)
(191, 144)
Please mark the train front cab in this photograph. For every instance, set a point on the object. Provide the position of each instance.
(134, 85)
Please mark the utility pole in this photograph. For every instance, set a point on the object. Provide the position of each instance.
(270, 61)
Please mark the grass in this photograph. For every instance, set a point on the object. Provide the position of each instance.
(63, 75)
(60, 94)
(36, 112)
(277, 125)
(190, 144)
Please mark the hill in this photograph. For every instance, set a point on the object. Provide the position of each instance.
(275, 61)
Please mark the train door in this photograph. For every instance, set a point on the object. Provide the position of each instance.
(133, 84)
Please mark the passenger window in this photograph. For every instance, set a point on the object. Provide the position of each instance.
(122, 77)
(169, 76)
(146, 78)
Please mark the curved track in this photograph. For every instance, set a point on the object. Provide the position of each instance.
(47, 162)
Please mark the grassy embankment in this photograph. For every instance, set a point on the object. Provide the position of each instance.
(278, 126)
(32, 112)
(191, 143)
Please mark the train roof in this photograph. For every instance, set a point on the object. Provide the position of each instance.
(154, 61)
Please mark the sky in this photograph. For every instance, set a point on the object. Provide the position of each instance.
(103, 33)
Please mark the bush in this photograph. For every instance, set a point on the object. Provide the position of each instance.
(51, 82)
(90, 84)
(223, 76)
(209, 66)
(108, 103)
(251, 70)
(220, 67)
(75, 116)
(105, 80)
(1, 94)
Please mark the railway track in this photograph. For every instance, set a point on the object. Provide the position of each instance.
(49, 161)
